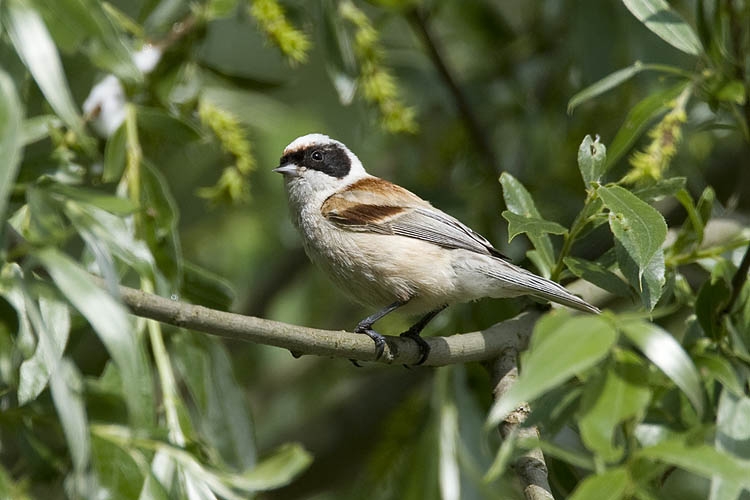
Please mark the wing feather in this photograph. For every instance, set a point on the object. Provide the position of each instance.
(378, 206)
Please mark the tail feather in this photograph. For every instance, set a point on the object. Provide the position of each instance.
(528, 283)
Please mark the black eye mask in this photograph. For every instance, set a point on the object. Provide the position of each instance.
(330, 159)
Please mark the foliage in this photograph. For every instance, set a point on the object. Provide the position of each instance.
(114, 114)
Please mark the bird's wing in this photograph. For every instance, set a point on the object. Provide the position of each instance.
(381, 207)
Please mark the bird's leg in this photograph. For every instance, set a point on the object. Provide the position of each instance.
(416, 328)
(365, 326)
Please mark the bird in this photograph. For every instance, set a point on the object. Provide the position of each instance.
(389, 249)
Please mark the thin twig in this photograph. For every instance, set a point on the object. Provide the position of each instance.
(530, 467)
(459, 348)
(477, 132)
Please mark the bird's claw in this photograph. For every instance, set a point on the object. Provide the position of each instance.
(376, 337)
(424, 347)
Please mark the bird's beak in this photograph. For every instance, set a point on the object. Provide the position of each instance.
(290, 170)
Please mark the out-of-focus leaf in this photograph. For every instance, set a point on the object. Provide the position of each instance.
(11, 138)
(341, 61)
(568, 345)
(533, 226)
(37, 128)
(105, 201)
(102, 41)
(253, 108)
(110, 321)
(733, 91)
(216, 9)
(50, 319)
(691, 232)
(114, 232)
(702, 459)
(732, 436)
(160, 223)
(157, 122)
(598, 275)
(623, 393)
(720, 369)
(449, 475)
(639, 118)
(592, 159)
(38, 52)
(712, 297)
(200, 286)
(608, 82)
(667, 354)
(114, 155)
(119, 477)
(274, 471)
(67, 394)
(659, 17)
(224, 416)
(519, 201)
(610, 485)
(638, 226)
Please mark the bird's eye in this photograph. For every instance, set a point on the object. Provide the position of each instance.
(317, 156)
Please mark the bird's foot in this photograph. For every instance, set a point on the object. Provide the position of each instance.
(376, 337)
(424, 347)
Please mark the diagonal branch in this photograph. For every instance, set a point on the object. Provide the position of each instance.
(459, 348)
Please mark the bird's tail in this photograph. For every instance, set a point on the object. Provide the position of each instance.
(523, 282)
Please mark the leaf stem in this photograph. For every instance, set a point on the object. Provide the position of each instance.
(579, 223)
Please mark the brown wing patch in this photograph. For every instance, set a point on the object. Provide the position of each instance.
(364, 215)
(386, 193)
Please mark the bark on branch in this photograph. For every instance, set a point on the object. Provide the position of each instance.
(459, 348)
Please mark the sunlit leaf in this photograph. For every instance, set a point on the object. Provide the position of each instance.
(592, 159)
(37, 128)
(519, 201)
(573, 345)
(607, 83)
(701, 459)
(533, 226)
(667, 354)
(38, 52)
(659, 17)
(638, 226)
(276, 470)
(67, 394)
(11, 140)
(610, 485)
(110, 321)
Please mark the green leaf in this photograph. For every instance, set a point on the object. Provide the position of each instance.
(713, 297)
(599, 275)
(50, 320)
(622, 393)
(701, 459)
(110, 321)
(38, 128)
(277, 470)
(638, 226)
(720, 369)
(732, 436)
(660, 189)
(592, 159)
(607, 83)
(117, 473)
(105, 201)
(114, 155)
(200, 286)
(667, 354)
(519, 201)
(563, 346)
(610, 485)
(11, 141)
(160, 223)
(659, 17)
(67, 393)
(639, 118)
(37, 50)
(533, 226)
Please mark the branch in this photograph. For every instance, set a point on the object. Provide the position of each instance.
(530, 466)
(459, 348)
